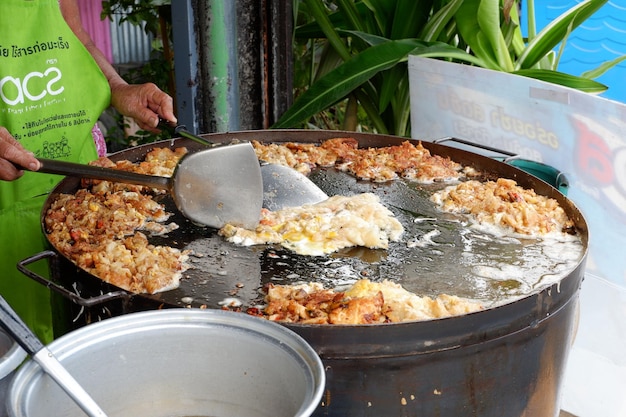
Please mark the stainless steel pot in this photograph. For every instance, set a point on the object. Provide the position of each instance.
(11, 357)
(505, 361)
(178, 362)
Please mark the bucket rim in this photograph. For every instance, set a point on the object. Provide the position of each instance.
(287, 340)
(12, 358)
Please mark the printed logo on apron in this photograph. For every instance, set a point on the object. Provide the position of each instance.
(51, 90)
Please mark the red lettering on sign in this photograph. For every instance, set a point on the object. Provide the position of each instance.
(594, 155)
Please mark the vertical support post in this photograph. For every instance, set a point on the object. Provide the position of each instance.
(279, 67)
(221, 58)
(250, 52)
(232, 63)
(185, 64)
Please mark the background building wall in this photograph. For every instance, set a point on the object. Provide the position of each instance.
(121, 43)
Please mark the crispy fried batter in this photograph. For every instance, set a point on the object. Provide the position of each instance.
(98, 229)
(503, 203)
(365, 302)
(375, 164)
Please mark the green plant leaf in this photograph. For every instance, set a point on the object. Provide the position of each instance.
(530, 19)
(382, 10)
(351, 14)
(488, 16)
(437, 24)
(565, 80)
(368, 38)
(447, 52)
(409, 17)
(604, 67)
(318, 10)
(391, 80)
(401, 105)
(470, 24)
(338, 83)
(512, 32)
(555, 32)
(393, 77)
(312, 30)
(329, 60)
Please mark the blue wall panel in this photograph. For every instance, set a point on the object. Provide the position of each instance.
(599, 39)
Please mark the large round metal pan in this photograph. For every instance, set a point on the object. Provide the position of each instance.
(221, 271)
(507, 360)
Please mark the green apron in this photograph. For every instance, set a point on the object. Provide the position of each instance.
(51, 95)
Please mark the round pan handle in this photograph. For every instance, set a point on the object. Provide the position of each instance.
(537, 169)
(509, 155)
(71, 295)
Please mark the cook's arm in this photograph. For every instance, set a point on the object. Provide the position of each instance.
(143, 102)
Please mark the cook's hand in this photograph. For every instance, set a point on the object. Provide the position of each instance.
(145, 103)
(12, 153)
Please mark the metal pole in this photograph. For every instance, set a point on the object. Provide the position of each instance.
(250, 55)
(185, 63)
(232, 62)
(279, 56)
(221, 71)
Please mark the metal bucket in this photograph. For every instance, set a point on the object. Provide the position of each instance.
(178, 362)
(11, 356)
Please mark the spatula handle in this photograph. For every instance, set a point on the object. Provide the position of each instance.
(53, 166)
(183, 132)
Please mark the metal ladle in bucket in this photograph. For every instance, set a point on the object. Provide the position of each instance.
(13, 324)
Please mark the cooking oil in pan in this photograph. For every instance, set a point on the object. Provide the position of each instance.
(457, 257)
(439, 253)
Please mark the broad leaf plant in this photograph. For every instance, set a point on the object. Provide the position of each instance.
(357, 52)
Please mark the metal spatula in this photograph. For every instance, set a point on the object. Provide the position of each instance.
(213, 187)
(13, 324)
(282, 186)
(285, 187)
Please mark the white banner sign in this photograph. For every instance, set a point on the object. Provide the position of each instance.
(581, 135)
